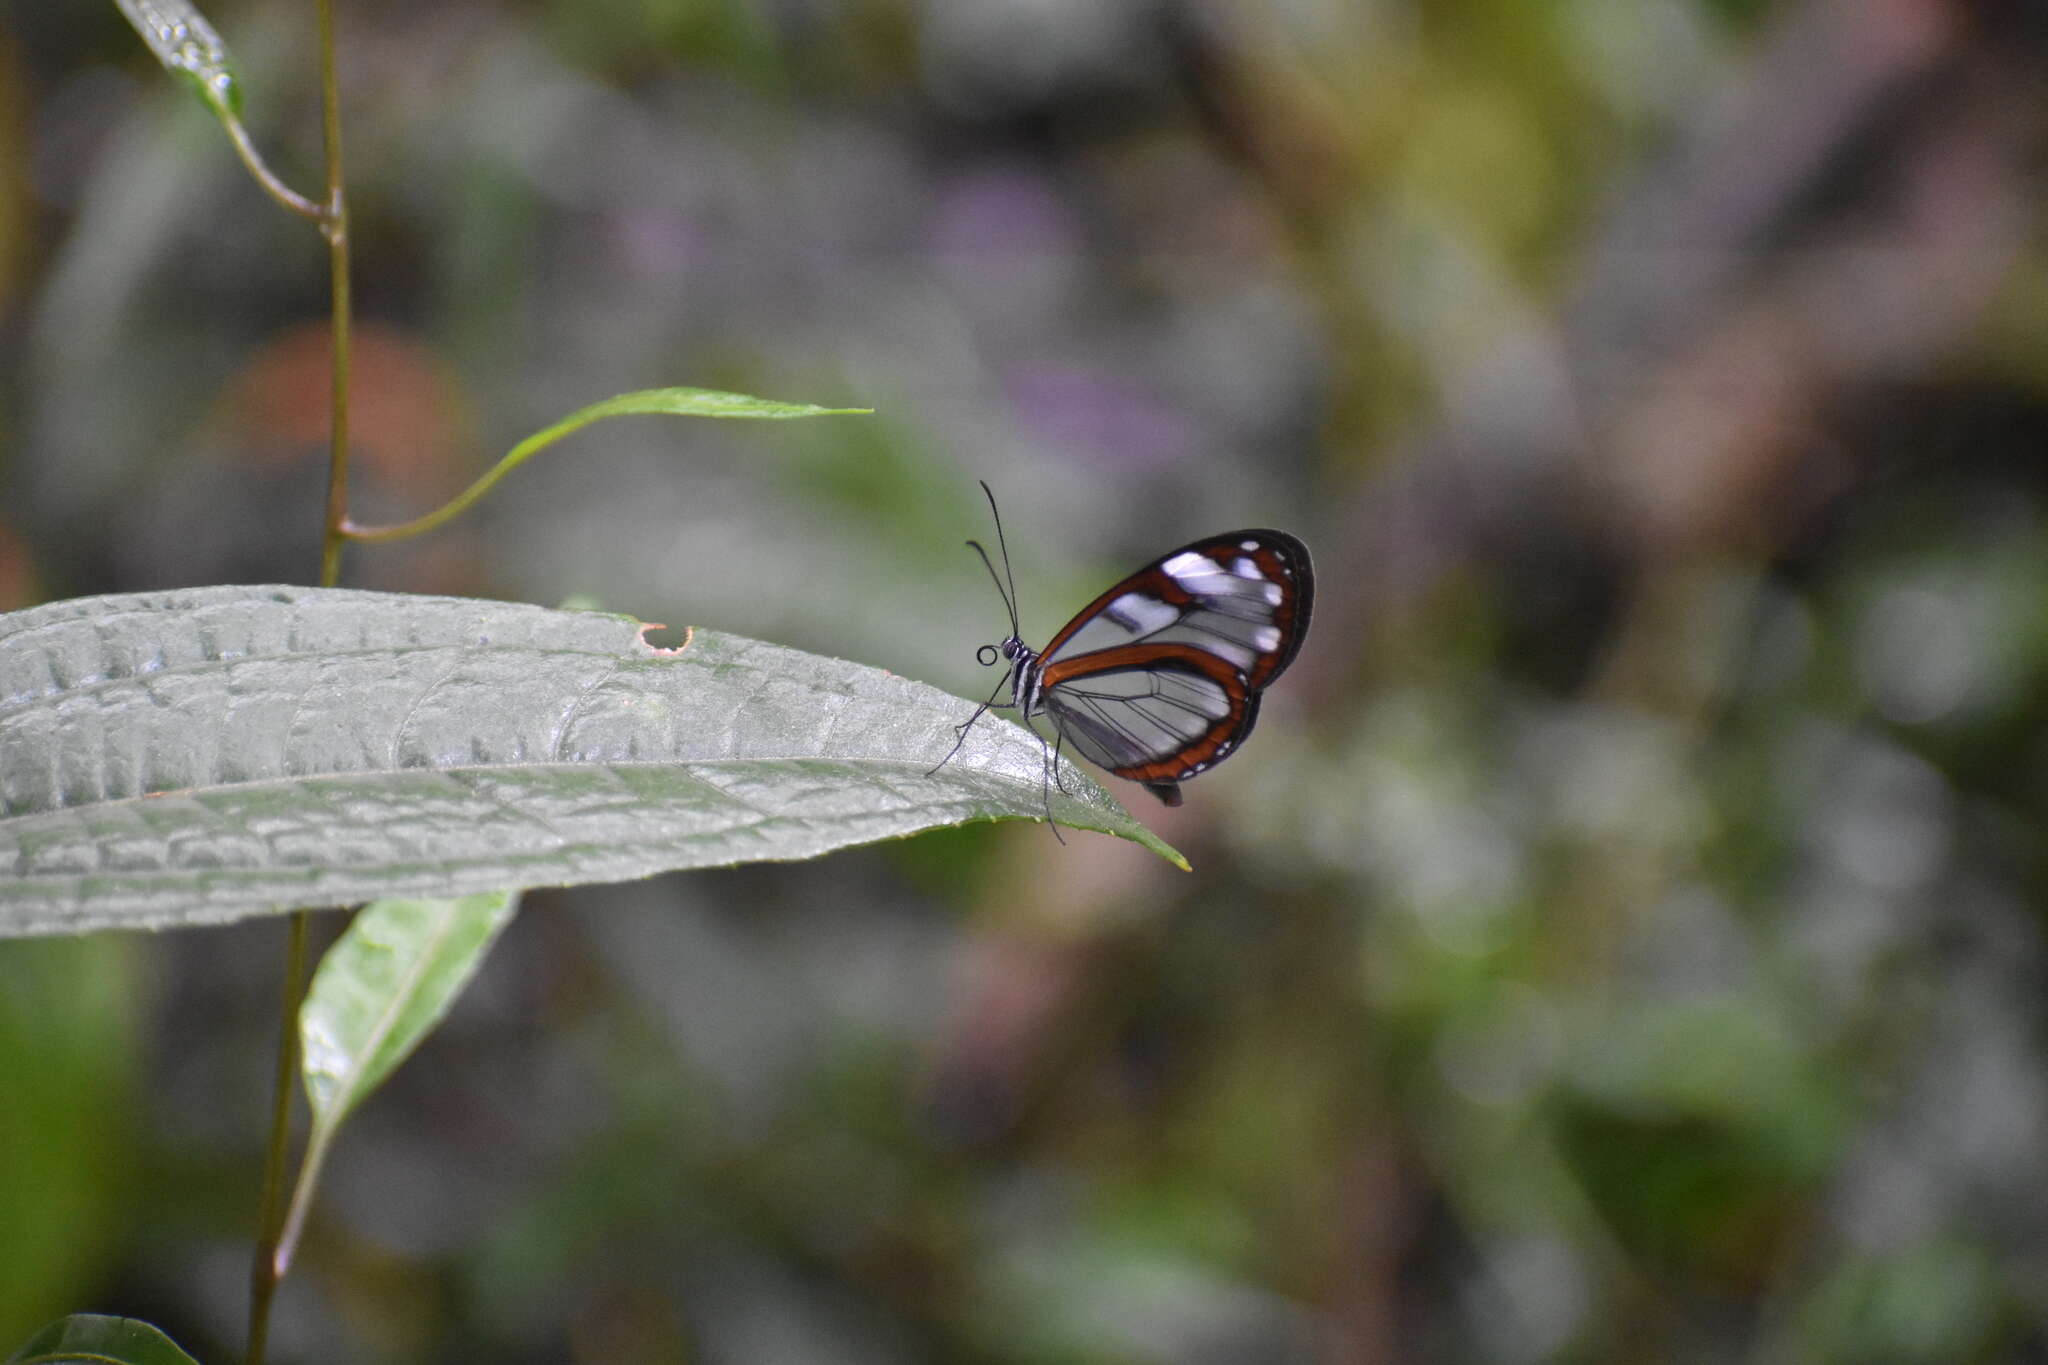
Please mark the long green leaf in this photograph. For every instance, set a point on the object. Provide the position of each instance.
(92, 1339)
(204, 755)
(189, 49)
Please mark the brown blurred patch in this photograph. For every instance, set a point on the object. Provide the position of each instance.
(408, 422)
(17, 575)
(245, 502)
(16, 205)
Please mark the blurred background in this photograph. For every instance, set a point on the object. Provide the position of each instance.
(1625, 938)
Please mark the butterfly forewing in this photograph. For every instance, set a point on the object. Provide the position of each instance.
(1243, 596)
(1159, 677)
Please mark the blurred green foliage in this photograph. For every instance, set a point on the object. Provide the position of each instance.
(69, 1123)
(1623, 939)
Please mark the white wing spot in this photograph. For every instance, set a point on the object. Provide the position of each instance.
(1247, 545)
(1188, 564)
(1266, 638)
(1273, 594)
(1141, 613)
(1244, 568)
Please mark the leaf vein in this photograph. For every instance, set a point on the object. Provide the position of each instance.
(575, 708)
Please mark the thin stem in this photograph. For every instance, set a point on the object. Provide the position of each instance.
(441, 515)
(335, 226)
(263, 1276)
(471, 495)
(271, 1254)
(274, 187)
(287, 1244)
(447, 512)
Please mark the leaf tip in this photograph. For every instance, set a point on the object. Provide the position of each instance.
(1146, 839)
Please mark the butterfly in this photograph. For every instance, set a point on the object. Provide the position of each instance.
(1158, 679)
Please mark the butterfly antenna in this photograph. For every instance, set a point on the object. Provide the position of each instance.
(1004, 546)
(1009, 603)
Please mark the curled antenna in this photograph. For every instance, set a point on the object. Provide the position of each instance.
(1010, 597)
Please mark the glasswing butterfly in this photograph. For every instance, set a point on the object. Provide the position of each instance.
(1158, 679)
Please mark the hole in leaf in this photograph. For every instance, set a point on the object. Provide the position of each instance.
(665, 639)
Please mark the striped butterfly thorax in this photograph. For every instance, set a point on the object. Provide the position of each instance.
(1158, 679)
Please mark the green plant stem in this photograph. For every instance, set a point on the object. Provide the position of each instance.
(286, 1245)
(263, 1275)
(335, 226)
(469, 496)
(272, 1253)
(274, 187)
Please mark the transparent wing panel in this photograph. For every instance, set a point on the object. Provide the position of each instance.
(1126, 717)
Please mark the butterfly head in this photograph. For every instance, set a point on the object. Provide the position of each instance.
(1011, 650)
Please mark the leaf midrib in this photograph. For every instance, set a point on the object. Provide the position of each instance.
(965, 806)
(562, 765)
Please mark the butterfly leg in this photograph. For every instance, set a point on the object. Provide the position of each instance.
(960, 730)
(1059, 738)
(1047, 772)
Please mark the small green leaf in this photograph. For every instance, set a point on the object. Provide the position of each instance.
(189, 48)
(201, 755)
(383, 986)
(93, 1339)
(644, 402)
(694, 403)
